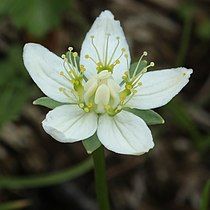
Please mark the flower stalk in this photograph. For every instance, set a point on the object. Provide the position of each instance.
(100, 179)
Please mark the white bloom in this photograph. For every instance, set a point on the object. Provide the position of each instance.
(96, 91)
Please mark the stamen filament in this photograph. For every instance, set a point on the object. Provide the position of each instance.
(126, 56)
(63, 75)
(136, 79)
(68, 72)
(75, 55)
(120, 55)
(95, 49)
(92, 59)
(64, 91)
(72, 68)
(106, 50)
(114, 51)
(123, 104)
(73, 93)
(137, 66)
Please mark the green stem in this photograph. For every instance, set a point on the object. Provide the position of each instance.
(205, 196)
(17, 204)
(100, 179)
(46, 179)
(185, 39)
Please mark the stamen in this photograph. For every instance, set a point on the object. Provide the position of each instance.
(122, 52)
(76, 82)
(127, 74)
(70, 49)
(88, 57)
(81, 105)
(82, 68)
(129, 87)
(136, 79)
(117, 61)
(63, 75)
(131, 96)
(99, 64)
(72, 68)
(124, 77)
(137, 66)
(86, 109)
(151, 64)
(63, 90)
(92, 37)
(126, 56)
(75, 54)
(114, 51)
(73, 92)
(123, 49)
(68, 72)
(90, 104)
(106, 50)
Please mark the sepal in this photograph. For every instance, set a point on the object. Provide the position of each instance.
(91, 144)
(149, 116)
(47, 102)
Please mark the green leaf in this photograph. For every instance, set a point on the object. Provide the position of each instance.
(91, 144)
(141, 66)
(47, 102)
(205, 197)
(14, 85)
(36, 16)
(186, 9)
(149, 116)
(203, 29)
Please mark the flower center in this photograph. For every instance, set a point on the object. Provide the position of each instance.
(109, 59)
(100, 93)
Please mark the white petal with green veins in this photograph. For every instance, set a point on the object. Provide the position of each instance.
(159, 87)
(124, 133)
(44, 67)
(69, 123)
(105, 47)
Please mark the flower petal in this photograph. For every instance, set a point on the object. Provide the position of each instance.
(159, 87)
(44, 67)
(124, 133)
(69, 123)
(105, 27)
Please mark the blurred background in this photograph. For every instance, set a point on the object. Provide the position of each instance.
(171, 176)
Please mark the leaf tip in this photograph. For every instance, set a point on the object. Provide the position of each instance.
(35, 102)
(89, 152)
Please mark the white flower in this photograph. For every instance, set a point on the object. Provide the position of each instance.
(96, 91)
